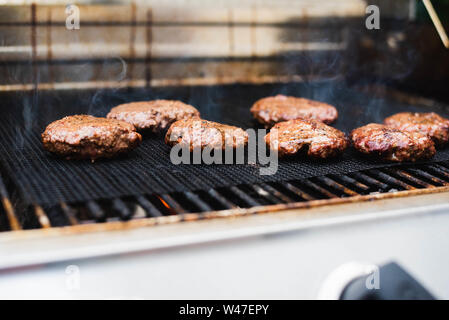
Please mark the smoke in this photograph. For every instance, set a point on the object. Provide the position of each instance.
(115, 70)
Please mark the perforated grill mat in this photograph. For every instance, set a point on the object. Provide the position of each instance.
(41, 178)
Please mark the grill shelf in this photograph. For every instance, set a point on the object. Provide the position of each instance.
(187, 206)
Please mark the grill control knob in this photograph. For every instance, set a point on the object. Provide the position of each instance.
(359, 281)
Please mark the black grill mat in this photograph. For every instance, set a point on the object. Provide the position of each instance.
(46, 180)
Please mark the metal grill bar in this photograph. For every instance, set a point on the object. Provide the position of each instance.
(409, 178)
(265, 194)
(121, 207)
(323, 192)
(148, 207)
(245, 197)
(390, 180)
(96, 211)
(69, 213)
(13, 222)
(203, 206)
(171, 204)
(334, 184)
(350, 181)
(299, 192)
(444, 165)
(426, 175)
(369, 180)
(42, 217)
(439, 170)
(220, 199)
(284, 198)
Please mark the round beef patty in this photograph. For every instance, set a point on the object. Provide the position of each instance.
(153, 115)
(318, 139)
(392, 144)
(198, 133)
(88, 137)
(431, 124)
(271, 110)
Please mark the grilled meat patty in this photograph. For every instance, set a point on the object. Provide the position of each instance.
(198, 133)
(431, 124)
(271, 110)
(318, 139)
(88, 137)
(153, 115)
(392, 144)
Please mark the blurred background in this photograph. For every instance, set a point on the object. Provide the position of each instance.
(196, 42)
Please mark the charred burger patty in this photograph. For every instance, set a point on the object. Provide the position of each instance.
(88, 137)
(198, 133)
(271, 110)
(318, 139)
(153, 115)
(431, 124)
(392, 144)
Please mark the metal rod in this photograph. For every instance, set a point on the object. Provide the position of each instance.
(348, 180)
(391, 180)
(221, 199)
(299, 192)
(407, 176)
(149, 208)
(319, 189)
(439, 170)
(426, 175)
(276, 193)
(195, 199)
(242, 195)
(264, 193)
(384, 174)
(436, 22)
(69, 213)
(149, 46)
(96, 211)
(335, 185)
(13, 221)
(445, 165)
(370, 180)
(42, 217)
(140, 83)
(171, 204)
(122, 208)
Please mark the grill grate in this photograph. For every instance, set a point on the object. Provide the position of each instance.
(187, 206)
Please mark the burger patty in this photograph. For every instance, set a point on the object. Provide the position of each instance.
(318, 139)
(88, 137)
(153, 115)
(392, 144)
(271, 110)
(198, 133)
(431, 124)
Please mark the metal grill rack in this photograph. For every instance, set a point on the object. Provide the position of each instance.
(233, 201)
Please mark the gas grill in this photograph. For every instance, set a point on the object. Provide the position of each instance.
(169, 49)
